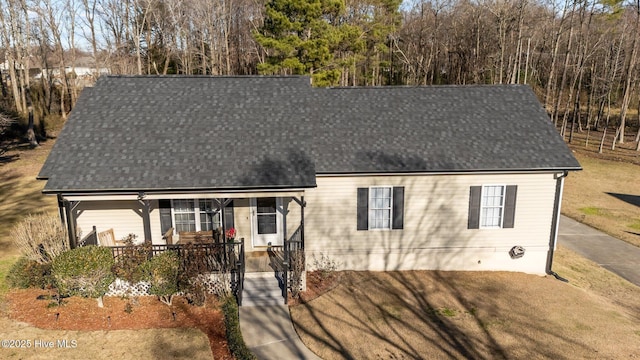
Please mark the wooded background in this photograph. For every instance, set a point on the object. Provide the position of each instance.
(580, 57)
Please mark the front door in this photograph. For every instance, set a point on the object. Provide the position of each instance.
(267, 221)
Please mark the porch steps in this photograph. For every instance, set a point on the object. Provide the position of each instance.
(262, 289)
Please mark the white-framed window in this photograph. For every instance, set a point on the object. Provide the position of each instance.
(380, 207)
(492, 206)
(192, 215)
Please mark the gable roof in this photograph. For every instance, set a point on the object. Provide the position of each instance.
(182, 133)
(436, 129)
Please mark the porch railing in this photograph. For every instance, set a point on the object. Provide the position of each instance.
(237, 274)
(208, 257)
(293, 264)
(90, 239)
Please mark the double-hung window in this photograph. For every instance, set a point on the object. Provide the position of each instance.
(380, 207)
(184, 215)
(380, 200)
(204, 209)
(193, 215)
(492, 206)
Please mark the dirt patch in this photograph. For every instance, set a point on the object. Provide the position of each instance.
(318, 283)
(480, 315)
(119, 314)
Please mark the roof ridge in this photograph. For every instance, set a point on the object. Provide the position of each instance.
(180, 76)
(377, 87)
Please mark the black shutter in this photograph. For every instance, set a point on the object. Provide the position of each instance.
(228, 216)
(398, 207)
(475, 193)
(363, 208)
(510, 206)
(165, 215)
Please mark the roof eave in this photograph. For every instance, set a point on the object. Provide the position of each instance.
(170, 190)
(451, 172)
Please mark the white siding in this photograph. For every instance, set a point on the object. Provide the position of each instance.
(242, 221)
(123, 216)
(293, 214)
(435, 234)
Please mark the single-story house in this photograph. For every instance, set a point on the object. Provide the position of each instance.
(379, 178)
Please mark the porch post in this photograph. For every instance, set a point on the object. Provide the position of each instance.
(302, 206)
(223, 221)
(146, 218)
(70, 212)
(221, 238)
(285, 212)
(61, 209)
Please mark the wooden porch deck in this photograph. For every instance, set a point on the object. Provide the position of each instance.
(265, 261)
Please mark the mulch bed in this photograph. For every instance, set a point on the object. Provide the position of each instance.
(145, 312)
(35, 307)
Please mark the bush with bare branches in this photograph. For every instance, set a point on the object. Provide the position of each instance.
(40, 238)
(5, 124)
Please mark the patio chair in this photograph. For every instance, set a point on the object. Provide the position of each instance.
(108, 238)
(168, 236)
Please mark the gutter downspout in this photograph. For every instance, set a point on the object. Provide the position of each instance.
(555, 223)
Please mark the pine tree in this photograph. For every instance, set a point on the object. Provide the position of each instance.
(299, 37)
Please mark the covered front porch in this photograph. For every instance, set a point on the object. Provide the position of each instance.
(257, 232)
(262, 219)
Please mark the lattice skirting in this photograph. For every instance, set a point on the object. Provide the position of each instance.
(218, 284)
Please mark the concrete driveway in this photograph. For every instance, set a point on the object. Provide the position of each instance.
(613, 254)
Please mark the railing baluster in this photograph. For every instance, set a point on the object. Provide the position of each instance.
(226, 257)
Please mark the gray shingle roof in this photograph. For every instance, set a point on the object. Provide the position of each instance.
(205, 133)
(436, 129)
(180, 133)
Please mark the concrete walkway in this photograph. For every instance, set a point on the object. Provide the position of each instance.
(265, 321)
(266, 324)
(613, 254)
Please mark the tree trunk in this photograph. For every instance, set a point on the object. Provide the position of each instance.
(2, 85)
(31, 135)
(548, 99)
(637, 139)
(563, 79)
(14, 86)
(604, 133)
(629, 78)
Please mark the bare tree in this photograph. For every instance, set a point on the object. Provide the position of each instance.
(630, 78)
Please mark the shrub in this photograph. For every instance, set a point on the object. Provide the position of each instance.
(325, 265)
(84, 271)
(129, 264)
(5, 123)
(234, 336)
(40, 238)
(26, 273)
(194, 273)
(162, 272)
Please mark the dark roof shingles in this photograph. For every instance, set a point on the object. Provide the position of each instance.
(436, 129)
(183, 133)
